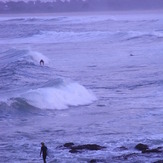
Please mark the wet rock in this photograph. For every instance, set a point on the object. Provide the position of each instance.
(141, 147)
(73, 151)
(145, 149)
(123, 148)
(156, 150)
(88, 147)
(68, 145)
(93, 161)
(77, 148)
(159, 161)
(160, 148)
(127, 156)
(97, 161)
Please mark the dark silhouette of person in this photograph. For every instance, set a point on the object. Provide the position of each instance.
(43, 152)
(41, 62)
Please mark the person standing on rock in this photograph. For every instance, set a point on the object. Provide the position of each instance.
(43, 152)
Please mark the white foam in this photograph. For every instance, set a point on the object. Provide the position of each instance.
(60, 37)
(150, 33)
(37, 56)
(54, 37)
(72, 94)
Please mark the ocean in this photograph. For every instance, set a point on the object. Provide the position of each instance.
(101, 83)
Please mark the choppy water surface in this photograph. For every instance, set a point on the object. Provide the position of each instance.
(102, 83)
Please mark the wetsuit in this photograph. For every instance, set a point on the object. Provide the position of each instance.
(44, 152)
(41, 62)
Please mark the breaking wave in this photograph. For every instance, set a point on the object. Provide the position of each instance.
(23, 80)
(71, 36)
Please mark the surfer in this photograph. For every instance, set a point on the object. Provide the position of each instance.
(43, 152)
(41, 62)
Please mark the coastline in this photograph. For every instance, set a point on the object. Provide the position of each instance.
(84, 13)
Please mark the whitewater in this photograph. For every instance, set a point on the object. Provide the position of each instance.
(102, 83)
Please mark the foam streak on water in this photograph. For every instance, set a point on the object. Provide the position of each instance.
(102, 83)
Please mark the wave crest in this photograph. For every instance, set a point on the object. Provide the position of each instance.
(61, 97)
(23, 78)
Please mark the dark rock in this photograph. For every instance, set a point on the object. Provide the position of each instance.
(156, 150)
(127, 156)
(73, 151)
(159, 161)
(145, 149)
(141, 147)
(88, 147)
(93, 161)
(97, 160)
(77, 148)
(123, 148)
(68, 145)
(159, 148)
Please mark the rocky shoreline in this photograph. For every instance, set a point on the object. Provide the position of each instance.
(140, 148)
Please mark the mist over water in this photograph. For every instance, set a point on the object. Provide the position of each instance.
(101, 83)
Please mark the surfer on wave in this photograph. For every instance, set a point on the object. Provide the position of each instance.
(41, 62)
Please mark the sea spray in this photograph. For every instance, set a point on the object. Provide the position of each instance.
(72, 94)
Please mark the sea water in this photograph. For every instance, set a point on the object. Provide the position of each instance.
(102, 83)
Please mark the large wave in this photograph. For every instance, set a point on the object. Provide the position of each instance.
(24, 80)
(60, 97)
(71, 36)
(60, 29)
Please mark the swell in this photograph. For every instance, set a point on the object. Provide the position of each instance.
(19, 68)
(75, 36)
(25, 83)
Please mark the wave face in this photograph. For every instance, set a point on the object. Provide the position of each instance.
(24, 81)
(61, 37)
